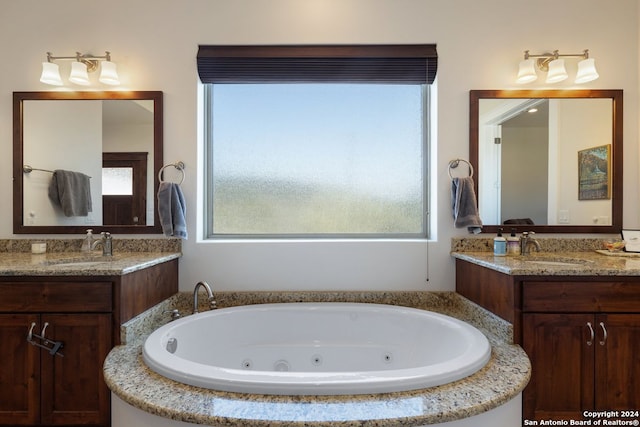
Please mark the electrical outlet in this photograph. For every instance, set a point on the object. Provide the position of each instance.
(563, 217)
(601, 220)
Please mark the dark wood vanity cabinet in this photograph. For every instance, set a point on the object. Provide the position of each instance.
(575, 371)
(582, 335)
(38, 388)
(66, 387)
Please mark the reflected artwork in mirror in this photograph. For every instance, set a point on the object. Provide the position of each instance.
(113, 138)
(526, 147)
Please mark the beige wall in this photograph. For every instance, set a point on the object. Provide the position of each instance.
(480, 43)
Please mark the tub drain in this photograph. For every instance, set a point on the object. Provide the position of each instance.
(281, 366)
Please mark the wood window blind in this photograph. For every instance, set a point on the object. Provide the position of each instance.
(385, 64)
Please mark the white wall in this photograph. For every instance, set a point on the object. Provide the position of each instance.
(579, 123)
(480, 44)
(133, 138)
(65, 135)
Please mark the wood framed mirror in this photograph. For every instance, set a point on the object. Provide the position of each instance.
(558, 170)
(115, 138)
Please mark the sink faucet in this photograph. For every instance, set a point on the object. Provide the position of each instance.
(210, 297)
(526, 241)
(106, 242)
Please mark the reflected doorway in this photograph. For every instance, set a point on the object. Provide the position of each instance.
(124, 183)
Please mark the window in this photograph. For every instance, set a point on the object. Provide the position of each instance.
(337, 154)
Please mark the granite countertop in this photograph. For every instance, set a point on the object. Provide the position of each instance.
(79, 263)
(503, 378)
(586, 263)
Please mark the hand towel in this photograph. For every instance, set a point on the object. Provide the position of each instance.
(71, 191)
(465, 205)
(172, 210)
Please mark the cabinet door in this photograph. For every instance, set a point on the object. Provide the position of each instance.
(19, 371)
(562, 359)
(73, 387)
(618, 362)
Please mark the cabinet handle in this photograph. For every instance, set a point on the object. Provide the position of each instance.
(592, 334)
(604, 334)
(52, 346)
(30, 334)
(42, 334)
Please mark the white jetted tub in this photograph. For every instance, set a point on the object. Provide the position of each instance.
(316, 349)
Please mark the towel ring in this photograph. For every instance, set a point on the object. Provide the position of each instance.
(178, 165)
(454, 164)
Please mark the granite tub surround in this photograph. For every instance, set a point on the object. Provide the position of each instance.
(439, 302)
(499, 382)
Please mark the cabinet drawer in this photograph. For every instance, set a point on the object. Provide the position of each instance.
(574, 297)
(55, 297)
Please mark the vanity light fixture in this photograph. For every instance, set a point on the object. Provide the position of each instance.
(553, 64)
(81, 66)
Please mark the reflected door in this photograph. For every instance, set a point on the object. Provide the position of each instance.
(124, 183)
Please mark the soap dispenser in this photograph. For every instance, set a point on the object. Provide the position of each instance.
(513, 243)
(87, 242)
(499, 244)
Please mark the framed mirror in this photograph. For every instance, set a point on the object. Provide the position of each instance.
(548, 161)
(86, 160)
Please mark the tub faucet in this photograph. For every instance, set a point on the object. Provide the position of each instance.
(210, 297)
(526, 241)
(106, 242)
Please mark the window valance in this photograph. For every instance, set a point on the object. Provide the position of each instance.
(390, 64)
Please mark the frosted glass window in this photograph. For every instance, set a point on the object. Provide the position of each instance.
(117, 181)
(345, 160)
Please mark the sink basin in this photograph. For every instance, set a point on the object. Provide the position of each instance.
(554, 261)
(77, 262)
(559, 263)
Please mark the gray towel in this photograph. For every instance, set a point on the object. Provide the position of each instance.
(464, 205)
(71, 191)
(172, 210)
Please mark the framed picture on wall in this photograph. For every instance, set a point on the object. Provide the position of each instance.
(594, 173)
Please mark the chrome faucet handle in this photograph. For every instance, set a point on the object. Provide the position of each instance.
(175, 313)
(528, 240)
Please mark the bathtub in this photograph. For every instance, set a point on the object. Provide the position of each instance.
(316, 349)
